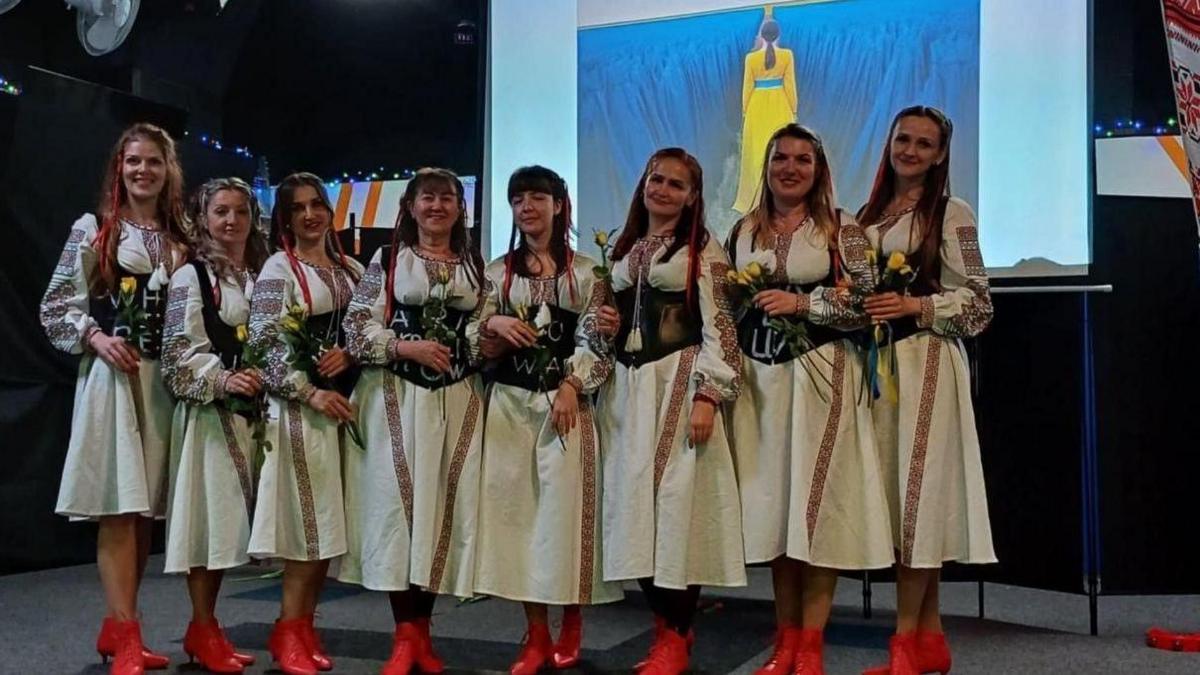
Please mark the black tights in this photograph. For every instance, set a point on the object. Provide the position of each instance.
(676, 607)
(412, 604)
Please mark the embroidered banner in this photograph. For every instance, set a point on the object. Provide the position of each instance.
(1181, 19)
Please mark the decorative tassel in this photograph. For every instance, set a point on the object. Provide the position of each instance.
(633, 343)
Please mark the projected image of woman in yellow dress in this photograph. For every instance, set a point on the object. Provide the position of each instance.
(768, 103)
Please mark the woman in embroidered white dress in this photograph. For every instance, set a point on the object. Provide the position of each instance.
(299, 514)
(927, 441)
(672, 518)
(116, 466)
(813, 501)
(212, 452)
(539, 516)
(412, 496)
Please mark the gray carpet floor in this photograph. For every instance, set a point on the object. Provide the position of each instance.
(48, 623)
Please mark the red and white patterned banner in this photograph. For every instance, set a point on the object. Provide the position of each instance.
(1181, 19)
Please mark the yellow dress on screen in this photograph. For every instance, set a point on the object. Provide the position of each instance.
(768, 103)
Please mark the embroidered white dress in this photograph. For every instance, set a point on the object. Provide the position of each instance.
(672, 511)
(801, 431)
(412, 496)
(299, 512)
(212, 452)
(928, 444)
(117, 456)
(540, 506)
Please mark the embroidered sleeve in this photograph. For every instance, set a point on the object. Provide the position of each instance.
(592, 362)
(191, 371)
(274, 291)
(489, 305)
(64, 308)
(964, 307)
(368, 339)
(840, 306)
(719, 364)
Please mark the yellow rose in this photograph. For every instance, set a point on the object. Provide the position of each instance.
(297, 311)
(754, 270)
(290, 323)
(128, 285)
(731, 277)
(905, 269)
(744, 279)
(444, 275)
(895, 260)
(242, 333)
(601, 239)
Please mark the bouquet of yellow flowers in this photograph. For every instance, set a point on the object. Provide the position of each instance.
(753, 278)
(253, 356)
(305, 350)
(892, 275)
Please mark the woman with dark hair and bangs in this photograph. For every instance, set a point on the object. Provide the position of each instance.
(927, 441)
(672, 518)
(542, 327)
(813, 500)
(299, 515)
(212, 449)
(116, 465)
(412, 495)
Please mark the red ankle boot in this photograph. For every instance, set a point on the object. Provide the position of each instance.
(405, 643)
(427, 659)
(902, 657)
(106, 646)
(660, 627)
(536, 651)
(289, 647)
(319, 656)
(566, 650)
(204, 642)
(127, 658)
(784, 656)
(933, 653)
(244, 659)
(669, 656)
(810, 644)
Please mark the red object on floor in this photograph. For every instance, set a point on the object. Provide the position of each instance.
(205, 643)
(933, 653)
(1160, 638)
(566, 650)
(535, 653)
(427, 659)
(106, 646)
(784, 656)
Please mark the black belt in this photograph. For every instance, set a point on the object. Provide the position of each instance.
(154, 303)
(666, 323)
(521, 368)
(406, 323)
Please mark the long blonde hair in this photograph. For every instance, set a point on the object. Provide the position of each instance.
(819, 199)
(206, 249)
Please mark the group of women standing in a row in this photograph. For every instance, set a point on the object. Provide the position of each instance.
(643, 422)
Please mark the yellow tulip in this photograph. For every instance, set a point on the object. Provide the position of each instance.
(601, 239)
(895, 260)
(128, 285)
(754, 270)
(242, 333)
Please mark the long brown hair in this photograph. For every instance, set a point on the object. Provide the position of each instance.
(281, 227)
(689, 229)
(171, 214)
(206, 249)
(406, 232)
(936, 189)
(540, 179)
(819, 198)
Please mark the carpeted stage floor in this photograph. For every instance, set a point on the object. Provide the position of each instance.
(48, 622)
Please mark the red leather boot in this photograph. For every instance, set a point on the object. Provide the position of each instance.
(427, 659)
(933, 653)
(319, 656)
(205, 643)
(669, 656)
(127, 657)
(405, 644)
(784, 656)
(106, 646)
(536, 651)
(810, 644)
(570, 638)
(902, 657)
(289, 647)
